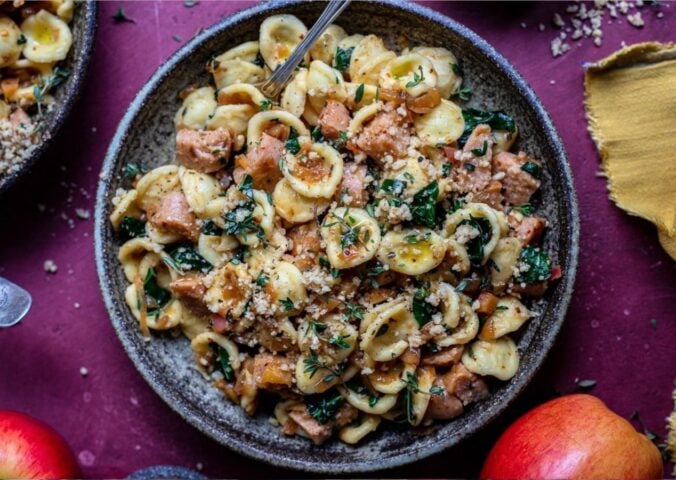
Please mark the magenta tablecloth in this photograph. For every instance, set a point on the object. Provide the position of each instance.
(114, 421)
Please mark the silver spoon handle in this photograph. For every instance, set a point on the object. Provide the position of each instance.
(14, 303)
(282, 74)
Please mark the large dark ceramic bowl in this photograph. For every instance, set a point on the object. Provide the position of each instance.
(146, 135)
(83, 27)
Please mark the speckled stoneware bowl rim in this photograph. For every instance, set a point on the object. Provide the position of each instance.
(79, 69)
(569, 231)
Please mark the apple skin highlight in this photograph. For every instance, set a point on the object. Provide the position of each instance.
(30, 448)
(574, 436)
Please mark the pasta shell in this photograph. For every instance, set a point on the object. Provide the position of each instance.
(324, 82)
(352, 434)
(412, 73)
(474, 211)
(442, 125)
(229, 290)
(247, 51)
(241, 93)
(279, 37)
(48, 38)
(286, 289)
(155, 184)
(497, 358)
(10, 49)
(425, 377)
(361, 402)
(229, 72)
(201, 346)
(504, 259)
(368, 58)
(196, 110)
(294, 207)
(509, 315)
(315, 171)
(388, 327)
(324, 49)
(361, 231)
(199, 189)
(412, 252)
(293, 97)
(448, 81)
(260, 122)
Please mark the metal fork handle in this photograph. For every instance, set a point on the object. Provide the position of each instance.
(273, 86)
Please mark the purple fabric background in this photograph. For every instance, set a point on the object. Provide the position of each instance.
(113, 420)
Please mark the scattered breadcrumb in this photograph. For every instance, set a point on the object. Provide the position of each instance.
(82, 213)
(76, 305)
(199, 466)
(586, 21)
(83, 371)
(50, 267)
(17, 144)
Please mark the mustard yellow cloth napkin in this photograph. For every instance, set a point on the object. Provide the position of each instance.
(631, 110)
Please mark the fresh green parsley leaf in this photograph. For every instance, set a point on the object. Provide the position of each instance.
(532, 169)
(287, 303)
(480, 152)
(417, 78)
(424, 205)
(131, 227)
(21, 40)
(187, 258)
(262, 280)
(266, 104)
(324, 407)
(156, 296)
(224, 362)
(526, 209)
(210, 228)
(359, 94)
(497, 120)
(539, 265)
(342, 59)
(339, 341)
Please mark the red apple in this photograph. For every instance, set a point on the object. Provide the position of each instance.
(574, 436)
(30, 448)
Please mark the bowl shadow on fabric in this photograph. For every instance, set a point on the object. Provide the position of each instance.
(145, 137)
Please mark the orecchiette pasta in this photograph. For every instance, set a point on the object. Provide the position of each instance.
(497, 358)
(48, 38)
(354, 250)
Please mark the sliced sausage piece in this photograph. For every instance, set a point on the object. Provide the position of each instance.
(491, 195)
(444, 358)
(190, 290)
(352, 188)
(205, 151)
(317, 432)
(472, 172)
(518, 184)
(272, 371)
(261, 162)
(424, 103)
(528, 229)
(487, 303)
(443, 407)
(346, 415)
(334, 118)
(306, 245)
(465, 385)
(174, 215)
(532, 290)
(386, 134)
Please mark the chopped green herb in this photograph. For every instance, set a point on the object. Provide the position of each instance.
(339, 341)
(266, 104)
(526, 209)
(461, 286)
(496, 120)
(224, 362)
(246, 186)
(359, 94)
(287, 303)
(131, 170)
(131, 227)
(480, 152)
(354, 310)
(532, 168)
(324, 263)
(119, 16)
(188, 259)
(469, 167)
(464, 93)
(424, 205)
(292, 145)
(475, 246)
(21, 40)
(324, 407)
(316, 327)
(356, 385)
(342, 59)
(258, 61)
(261, 280)
(539, 265)
(210, 228)
(156, 296)
(393, 187)
(411, 385)
(422, 310)
(446, 169)
(312, 364)
(456, 69)
(240, 221)
(417, 78)
(316, 134)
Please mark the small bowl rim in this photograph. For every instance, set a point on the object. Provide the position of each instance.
(570, 231)
(79, 73)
